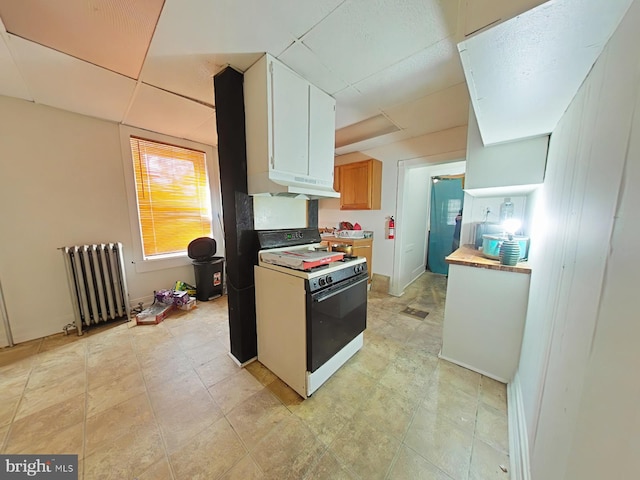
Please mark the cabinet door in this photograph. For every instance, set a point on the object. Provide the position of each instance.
(290, 120)
(354, 186)
(322, 130)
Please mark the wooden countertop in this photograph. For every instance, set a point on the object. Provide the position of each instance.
(467, 255)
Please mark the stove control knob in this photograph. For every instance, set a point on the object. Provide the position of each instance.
(329, 279)
(322, 282)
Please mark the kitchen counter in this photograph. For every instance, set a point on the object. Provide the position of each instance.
(484, 315)
(467, 255)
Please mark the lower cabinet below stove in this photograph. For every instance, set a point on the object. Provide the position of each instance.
(283, 310)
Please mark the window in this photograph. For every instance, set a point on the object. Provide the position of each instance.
(172, 195)
(454, 205)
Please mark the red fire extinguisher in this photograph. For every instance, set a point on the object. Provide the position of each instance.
(392, 228)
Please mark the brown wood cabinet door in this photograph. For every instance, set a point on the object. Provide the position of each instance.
(355, 189)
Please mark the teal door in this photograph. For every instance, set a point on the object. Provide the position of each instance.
(446, 203)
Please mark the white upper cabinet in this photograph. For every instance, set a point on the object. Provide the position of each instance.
(290, 113)
(322, 134)
(511, 168)
(290, 132)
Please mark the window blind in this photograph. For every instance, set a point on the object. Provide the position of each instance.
(172, 189)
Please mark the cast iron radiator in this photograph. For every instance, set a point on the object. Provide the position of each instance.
(97, 283)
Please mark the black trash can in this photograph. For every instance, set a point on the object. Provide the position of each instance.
(209, 270)
(209, 278)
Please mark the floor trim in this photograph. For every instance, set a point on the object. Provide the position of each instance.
(239, 363)
(518, 441)
(471, 367)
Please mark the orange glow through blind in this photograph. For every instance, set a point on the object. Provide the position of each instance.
(172, 189)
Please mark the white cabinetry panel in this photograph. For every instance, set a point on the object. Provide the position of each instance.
(290, 112)
(484, 319)
(515, 164)
(322, 127)
(290, 132)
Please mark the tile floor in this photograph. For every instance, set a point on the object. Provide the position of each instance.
(166, 402)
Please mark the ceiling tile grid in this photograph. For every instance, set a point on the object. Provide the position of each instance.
(62, 81)
(163, 112)
(353, 107)
(11, 82)
(114, 34)
(300, 16)
(207, 132)
(363, 37)
(375, 57)
(303, 61)
(438, 111)
(430, 70)
(205, 27)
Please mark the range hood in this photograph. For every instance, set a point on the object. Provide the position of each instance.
(288, 184)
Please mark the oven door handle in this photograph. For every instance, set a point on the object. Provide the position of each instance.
(321, 296)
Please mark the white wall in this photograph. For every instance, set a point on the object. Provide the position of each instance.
(62, 183)
(607, 439)
(412, 231)
(475, 212)
(279, 212)
(574, 345)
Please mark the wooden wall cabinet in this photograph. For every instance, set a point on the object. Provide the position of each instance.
(360, 185)
(362, 247)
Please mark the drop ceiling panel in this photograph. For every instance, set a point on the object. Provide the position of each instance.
(451, 140)
(362, 37)
(302, 60)
(114, 34)
(11, 82)
(203, 27)
(352, 107)
(481, 13)
(301, 15)
(206, 133)
(62, 81)
(523, 73)
(432, 69)
(192, 75)
(439, 111)
(159, 111)
(372, 143)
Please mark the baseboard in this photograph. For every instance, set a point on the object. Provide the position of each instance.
(471, 367)
(239, 363)
(518, 441)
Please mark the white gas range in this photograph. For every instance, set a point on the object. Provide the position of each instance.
(311, 307)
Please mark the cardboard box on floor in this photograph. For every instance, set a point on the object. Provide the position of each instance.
(154, 314)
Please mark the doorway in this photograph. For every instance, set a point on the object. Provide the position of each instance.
(412, 221)
(447, 198)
